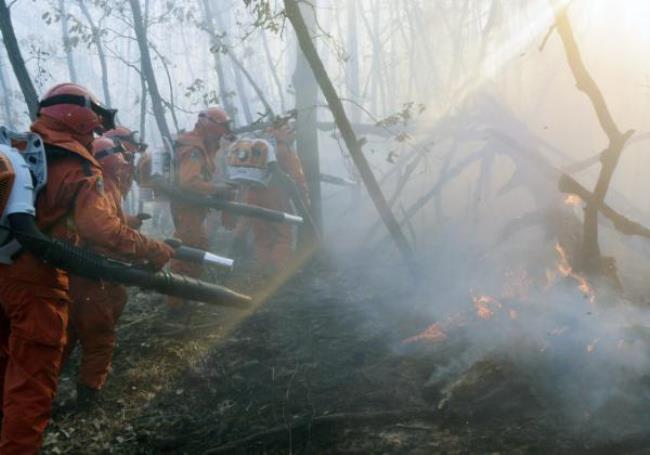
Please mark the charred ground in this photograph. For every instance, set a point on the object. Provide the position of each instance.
(322, 367)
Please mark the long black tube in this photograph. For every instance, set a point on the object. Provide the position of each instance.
(198, 200)
(94, 266)
(292, 188)
(189, 254)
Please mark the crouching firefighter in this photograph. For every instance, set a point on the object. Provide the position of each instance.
(195, 164)
(97, 305)
(52, 197)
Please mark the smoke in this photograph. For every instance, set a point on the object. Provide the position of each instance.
(496, 277)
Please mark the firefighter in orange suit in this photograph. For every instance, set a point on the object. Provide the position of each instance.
(194, 156)
(34, 296)
(97, 305)
(132, 146)
(274, 241)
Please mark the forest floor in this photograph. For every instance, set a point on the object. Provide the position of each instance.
(320, 367)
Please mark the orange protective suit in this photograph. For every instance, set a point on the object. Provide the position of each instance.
(274, 241)
(95, 310)
(195, 170)
(34, 296)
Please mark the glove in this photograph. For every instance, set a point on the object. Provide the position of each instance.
(159, 254)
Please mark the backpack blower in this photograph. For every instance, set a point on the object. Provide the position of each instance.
(23, 173)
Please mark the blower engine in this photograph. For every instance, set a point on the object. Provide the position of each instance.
(253, 162)
(22, 174)
(250, 162)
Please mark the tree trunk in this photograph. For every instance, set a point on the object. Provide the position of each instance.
(7, 98)
(66, 42)
(222, 87)
(17, 61)
(97, 41)
(352, 64)
(591, 258)
(240, 88)
(353, 144)
(147, 70)
(306, 124)
(274, 71)
(143, 84)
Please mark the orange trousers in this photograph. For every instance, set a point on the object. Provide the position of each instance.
(273, 241)
(96, 308)
(190, 229)
(32, 336)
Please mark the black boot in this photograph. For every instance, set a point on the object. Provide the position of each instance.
(87, 397)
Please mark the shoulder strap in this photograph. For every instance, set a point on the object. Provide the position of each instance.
(54, 152)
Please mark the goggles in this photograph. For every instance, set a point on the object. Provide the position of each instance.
(106, 115)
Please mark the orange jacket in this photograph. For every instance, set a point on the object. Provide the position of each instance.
(113, 206)
(73, 206)
(195, 163)
(290, 163)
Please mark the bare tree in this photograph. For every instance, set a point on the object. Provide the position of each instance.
(306, 125)
(591, 258)
(97, 41)
(7, 98)
(218, 64)
(17, 61)
(67, 47)
(354, 146)
(147, 69)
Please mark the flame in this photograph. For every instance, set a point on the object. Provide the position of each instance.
(485, 306)
(566, 270)
(573, 200)
(434, 333)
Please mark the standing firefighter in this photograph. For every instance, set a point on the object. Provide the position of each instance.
(195, 157)
(34, 296)
(274, 241)
(132, 145)
(97, 305)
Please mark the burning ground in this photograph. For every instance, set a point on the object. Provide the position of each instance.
(519, 358)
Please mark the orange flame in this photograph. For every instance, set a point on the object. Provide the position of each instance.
(433, 333)
(485, 306)
(566, 270)
(573, 200)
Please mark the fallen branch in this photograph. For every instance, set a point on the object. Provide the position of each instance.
(360, 128)
(622, 224)
(280, 432)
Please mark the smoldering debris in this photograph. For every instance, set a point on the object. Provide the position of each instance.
(551, 346)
